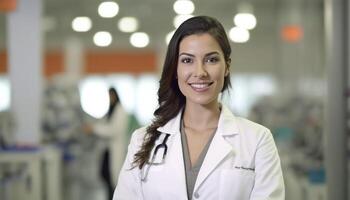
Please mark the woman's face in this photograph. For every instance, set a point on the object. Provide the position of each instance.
(201, 69)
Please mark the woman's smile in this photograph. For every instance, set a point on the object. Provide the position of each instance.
(201, 87)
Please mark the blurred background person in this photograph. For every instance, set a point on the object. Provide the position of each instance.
(113, 128)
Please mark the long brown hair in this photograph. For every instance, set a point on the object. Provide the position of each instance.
(170, 98)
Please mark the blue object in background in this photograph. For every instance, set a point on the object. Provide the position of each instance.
(283, 134)
(317, 176)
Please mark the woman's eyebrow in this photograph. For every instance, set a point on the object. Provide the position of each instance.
(207, 54)
(186, 54)
(211, 53)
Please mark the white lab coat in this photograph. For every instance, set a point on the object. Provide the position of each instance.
(242, 163)
(115, 131)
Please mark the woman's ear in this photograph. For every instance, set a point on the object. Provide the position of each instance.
(227, 69)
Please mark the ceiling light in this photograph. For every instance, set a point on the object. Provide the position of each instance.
(239, 35)
(108, 9)
(245, 20)
(128, 24)
(179, 19)
(169, 36)
(81, 24)
(183, 7)
(102, 39)
(139, 39)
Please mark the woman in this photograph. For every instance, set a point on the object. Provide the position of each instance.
(196, 148)
(113, 129)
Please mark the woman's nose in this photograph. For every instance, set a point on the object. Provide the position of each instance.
(200, 71)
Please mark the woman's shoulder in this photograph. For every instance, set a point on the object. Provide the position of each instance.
(250, 125)
(138, 135)
(254, 136)
(240, 124)
(252, 129)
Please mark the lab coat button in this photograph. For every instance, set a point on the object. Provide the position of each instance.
(196, 195)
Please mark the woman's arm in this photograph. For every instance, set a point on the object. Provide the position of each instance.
(269, 184)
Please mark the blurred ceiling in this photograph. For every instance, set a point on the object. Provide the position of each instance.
(156, 19)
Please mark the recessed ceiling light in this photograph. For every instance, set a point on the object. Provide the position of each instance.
(128, 24)
(81, 24)
(108, 9)
(239, 35)
(139, 39)
(245, 20)
(102, 39)
(183, 7)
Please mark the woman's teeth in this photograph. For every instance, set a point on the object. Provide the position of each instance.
(200, 85)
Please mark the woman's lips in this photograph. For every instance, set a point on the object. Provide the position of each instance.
(200, 87)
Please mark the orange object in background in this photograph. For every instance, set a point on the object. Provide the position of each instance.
(96, 62)
(120, 62)
(292, 33)
(53, 63)
(3, 62)
(7, 5)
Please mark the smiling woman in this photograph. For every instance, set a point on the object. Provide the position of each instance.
(201, 69)
(196, 147)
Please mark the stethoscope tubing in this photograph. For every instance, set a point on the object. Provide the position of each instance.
(148, 165)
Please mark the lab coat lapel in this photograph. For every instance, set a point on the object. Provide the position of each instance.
(221, 145)
(217, 151)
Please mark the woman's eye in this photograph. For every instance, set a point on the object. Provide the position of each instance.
(212, 60)
(186, 60)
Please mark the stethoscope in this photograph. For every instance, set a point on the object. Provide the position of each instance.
(163, 146)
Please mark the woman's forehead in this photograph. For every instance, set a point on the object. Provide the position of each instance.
(199, 44)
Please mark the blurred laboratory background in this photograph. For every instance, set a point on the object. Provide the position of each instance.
(58, 58)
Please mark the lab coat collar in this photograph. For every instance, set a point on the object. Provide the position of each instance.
(227, 123)
(172, 126)
(219, 148)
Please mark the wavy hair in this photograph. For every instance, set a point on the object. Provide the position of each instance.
(170, 98)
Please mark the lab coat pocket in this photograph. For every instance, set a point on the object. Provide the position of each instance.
(236, 184)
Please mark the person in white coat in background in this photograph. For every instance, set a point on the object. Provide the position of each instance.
(112, 128)
(196, 148)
